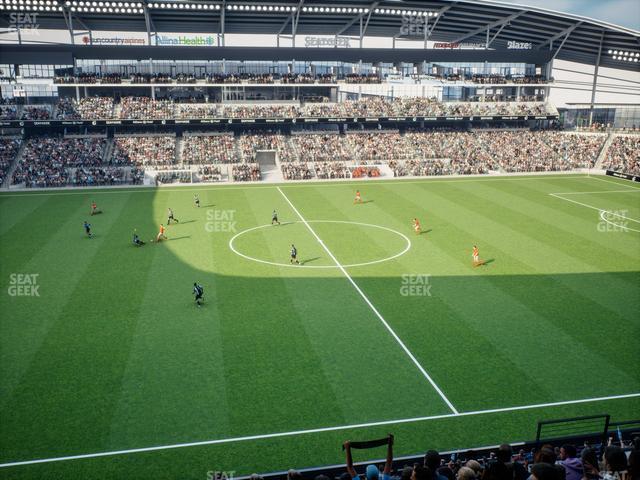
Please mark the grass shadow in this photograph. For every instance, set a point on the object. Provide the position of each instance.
(309, 260)
(178, 238)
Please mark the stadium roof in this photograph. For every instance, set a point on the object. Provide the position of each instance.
(569, 37)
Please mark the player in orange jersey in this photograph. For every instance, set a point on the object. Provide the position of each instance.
(476, 256)
(358, 198)
(161, 235)
(416, 226)
(94, 209)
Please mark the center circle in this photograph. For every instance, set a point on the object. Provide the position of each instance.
(373, 262)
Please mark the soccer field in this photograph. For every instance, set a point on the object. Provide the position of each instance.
(379, 330)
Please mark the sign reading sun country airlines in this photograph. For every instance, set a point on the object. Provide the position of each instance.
(107, 38)
(333, 42)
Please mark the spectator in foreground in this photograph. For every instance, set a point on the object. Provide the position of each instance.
(475, 466)
(545, 471)
(421, 472)
(516, 471)
(569, 461)
(372, 472)
(589, 460)
(432, 462)
(615, 463)
(546, 454)
(466, 473)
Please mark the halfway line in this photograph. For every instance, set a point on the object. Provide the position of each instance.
(374, 309)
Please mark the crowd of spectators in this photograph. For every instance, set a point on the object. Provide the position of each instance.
(328, 170)
(419, 168)
(300, 78)
(321, 147)
(143, 108)
(245, 172)
(200, 149)
(46, 161)
(547, 462)
(296, 171)
(379, 146)
(624, 155)
(253, 141)
(98, 176)
(363, 171)
(154, 150)
(8, 112)
(196, 110)
(8, 150)
(173, 177)
(210, 173)
(88, 108)
(35, 112)
(318, 154)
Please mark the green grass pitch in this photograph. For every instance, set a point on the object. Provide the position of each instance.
(283, 363)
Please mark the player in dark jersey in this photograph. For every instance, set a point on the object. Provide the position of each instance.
(198, 291)
(171, 217)
(136, 239)
(196, 200)
(274, 218)
(87, 229)
(294, 255)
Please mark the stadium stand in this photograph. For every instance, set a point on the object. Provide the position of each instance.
(624, 155)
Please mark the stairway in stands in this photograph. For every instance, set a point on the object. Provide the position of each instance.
(179, 150)
(6, 183)
(269, 169)
(603, 153)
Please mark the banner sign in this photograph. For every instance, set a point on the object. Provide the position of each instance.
(186, 40)
(459, 46)
(240, 121)
(626, 176)
(512, 45)
(340, 42)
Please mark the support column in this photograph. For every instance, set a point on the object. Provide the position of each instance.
(595, 79)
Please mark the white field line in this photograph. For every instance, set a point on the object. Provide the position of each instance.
(316, 430)
(263, 185)
(633, 190)
(623, 227)
(594, 208)
(368, 302)
(620, 184)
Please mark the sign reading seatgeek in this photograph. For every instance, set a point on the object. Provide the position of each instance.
(186, 40)
(340, 42)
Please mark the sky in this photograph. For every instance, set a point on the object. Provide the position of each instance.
(620, 12)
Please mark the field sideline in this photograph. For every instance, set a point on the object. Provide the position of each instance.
(111, 370)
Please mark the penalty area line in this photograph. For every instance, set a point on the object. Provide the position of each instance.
(317, 430)
(593, 208)
(368, 302)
